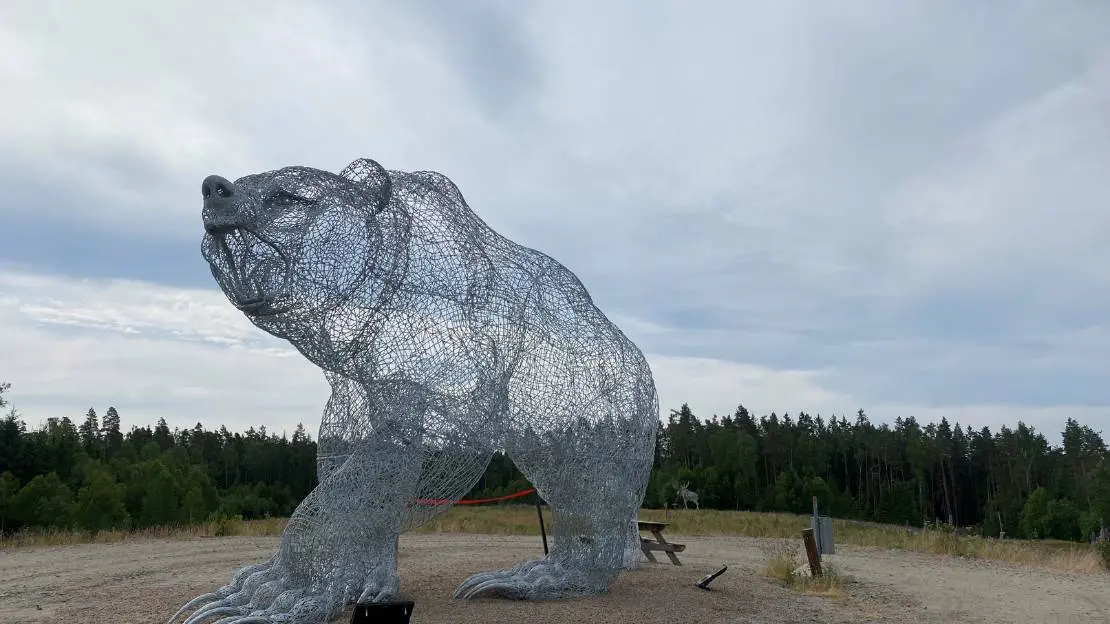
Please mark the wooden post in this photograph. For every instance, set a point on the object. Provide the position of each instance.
(816, 525)
(811, 552)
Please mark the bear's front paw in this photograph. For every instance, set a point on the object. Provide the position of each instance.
(382, 584)
(542, 579)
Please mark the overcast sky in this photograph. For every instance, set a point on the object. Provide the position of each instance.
(794, 205)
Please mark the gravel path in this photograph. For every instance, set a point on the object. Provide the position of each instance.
(146, 581)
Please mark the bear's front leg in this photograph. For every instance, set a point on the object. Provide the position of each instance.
(340, 546)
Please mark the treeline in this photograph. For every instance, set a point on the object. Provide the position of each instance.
(1010, 481)
(94, 476)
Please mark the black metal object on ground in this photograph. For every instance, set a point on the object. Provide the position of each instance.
(704, 583)
(543, 532)
(383, 612)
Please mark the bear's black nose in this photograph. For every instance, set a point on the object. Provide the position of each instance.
(219, 205)
(216, 186)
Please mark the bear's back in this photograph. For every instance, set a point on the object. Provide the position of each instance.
(454, 254)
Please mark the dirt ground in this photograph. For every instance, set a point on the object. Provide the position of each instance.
(147, 581)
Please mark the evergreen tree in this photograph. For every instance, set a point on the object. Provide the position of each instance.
(9, 488)
(90, 435)
(113, 438)
(162, 435)
(12, 432)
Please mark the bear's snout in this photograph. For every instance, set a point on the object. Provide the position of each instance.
(220, 214)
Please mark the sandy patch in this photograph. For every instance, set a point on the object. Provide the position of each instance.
(147, 581)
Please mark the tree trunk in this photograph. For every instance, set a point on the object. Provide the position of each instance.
(944, 484)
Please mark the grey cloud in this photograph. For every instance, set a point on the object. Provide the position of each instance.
(487, 45)
(51, 223)
(906, 199)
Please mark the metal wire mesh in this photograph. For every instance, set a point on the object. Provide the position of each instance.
(442, 341)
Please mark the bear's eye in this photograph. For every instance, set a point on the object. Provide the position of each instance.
(282, 197)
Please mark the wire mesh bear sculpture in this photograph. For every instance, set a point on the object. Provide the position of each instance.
(441, 341)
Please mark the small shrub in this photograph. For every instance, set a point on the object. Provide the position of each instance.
(783, 565)
(944, 527)
(1104, 552)
(948, 543)
(225, 525)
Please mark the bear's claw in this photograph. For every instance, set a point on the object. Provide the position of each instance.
(264, 608)
(261, 595)
(542, 579)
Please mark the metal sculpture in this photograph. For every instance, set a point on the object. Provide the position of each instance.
(688, 496)
(442, 341)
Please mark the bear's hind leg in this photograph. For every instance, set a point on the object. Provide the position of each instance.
(594, 481)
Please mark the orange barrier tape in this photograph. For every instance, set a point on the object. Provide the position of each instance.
(474, 501)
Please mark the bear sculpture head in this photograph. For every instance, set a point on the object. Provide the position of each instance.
(293, 248)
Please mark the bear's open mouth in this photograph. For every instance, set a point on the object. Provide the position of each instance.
(252, 271)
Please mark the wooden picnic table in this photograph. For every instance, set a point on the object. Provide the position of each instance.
(659, 543)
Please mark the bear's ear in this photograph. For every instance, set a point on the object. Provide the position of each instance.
(373, 178)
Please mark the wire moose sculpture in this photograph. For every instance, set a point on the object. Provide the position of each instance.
(688, 496)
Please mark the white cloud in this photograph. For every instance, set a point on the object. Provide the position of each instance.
(187, 356)
(150, 351)
(712, 386)
(125, 306)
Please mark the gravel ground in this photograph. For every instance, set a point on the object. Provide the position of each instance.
(146, 581)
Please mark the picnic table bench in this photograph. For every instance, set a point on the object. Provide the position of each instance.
(659, 543)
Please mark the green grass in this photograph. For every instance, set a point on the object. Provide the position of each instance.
(216, 528)
(1059, 555)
